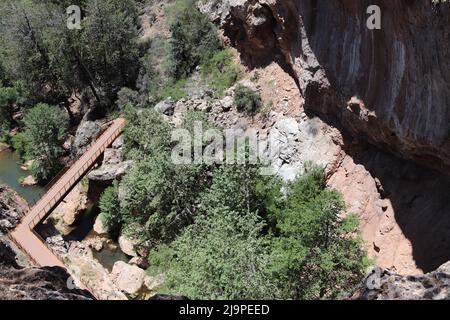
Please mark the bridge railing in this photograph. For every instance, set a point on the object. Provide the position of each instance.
(88, 161)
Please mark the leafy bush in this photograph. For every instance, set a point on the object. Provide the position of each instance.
(247, 100)
(161, 196)
(19, 143)
(146, 134)
(110, 209)
(221, 256)
(11, 97)
(127, 97)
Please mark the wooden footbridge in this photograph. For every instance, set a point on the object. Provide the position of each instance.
(24, 235)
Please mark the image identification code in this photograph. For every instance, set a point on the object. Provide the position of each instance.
(226, 310)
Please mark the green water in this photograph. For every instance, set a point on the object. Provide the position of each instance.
(10, 173)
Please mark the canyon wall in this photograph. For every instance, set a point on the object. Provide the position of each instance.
(386, 88)
(389, 86)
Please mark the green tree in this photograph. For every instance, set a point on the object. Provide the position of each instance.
(55, 62)
(225, 250)
(160, 196)
(44, 129)
(146, 134)
(316, 253)
(221, 256)
(108, 44)
(27, 30)
(194, 39)
(11, 98)
(241, 188)
(110, 215)
(220, 71)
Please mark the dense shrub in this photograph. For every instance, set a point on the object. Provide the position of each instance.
(316, 254)
(110, 210)
(247, 100)
(161, 196)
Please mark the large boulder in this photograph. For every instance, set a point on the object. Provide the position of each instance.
(28, 181)
(86, 133)
(127, 245)
(110, 171)
(128, 278)
(73, 205)
(166, 107)
(3, 146)
(113, 166)
(99, 226)
(141, 262)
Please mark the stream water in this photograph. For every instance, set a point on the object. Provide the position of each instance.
(11, 172)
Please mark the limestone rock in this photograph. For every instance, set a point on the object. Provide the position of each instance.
(109, 172)
(227, 103)
(113, 166)
(99, 227)
(73, 205)
(12, 209)
(324, 47)
(86, 133)
(27, 165)
(152, 283)
(127, 245)
(3, 146)
(57, 243)
(166, 107)
(141, 262)
(96, 243)
(48, 283)
(28, 181)
(128, 278)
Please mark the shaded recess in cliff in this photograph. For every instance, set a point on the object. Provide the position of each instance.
(419, 200)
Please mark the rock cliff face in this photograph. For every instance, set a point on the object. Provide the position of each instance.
(387, 92)
(12, 209)
(391, 86)
(30, 283)
(18, 283)
(384, 285)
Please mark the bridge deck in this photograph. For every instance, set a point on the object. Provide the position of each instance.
(24, 235)
(63, 186)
